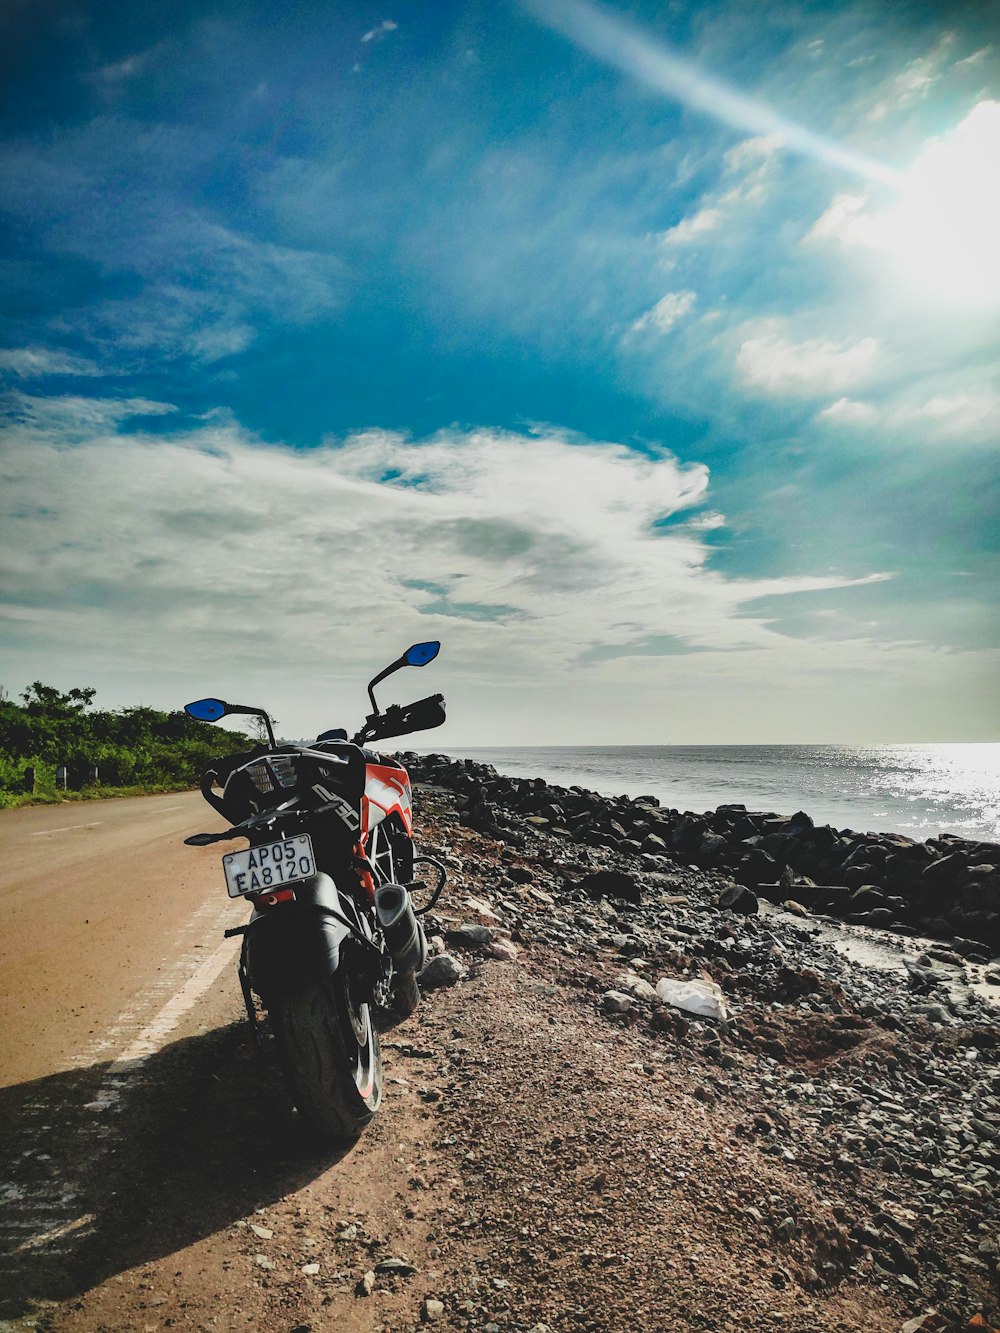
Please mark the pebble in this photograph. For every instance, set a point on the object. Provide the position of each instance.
(444, 970)
(366, 1285)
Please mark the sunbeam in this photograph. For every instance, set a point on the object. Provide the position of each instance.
(627, 48)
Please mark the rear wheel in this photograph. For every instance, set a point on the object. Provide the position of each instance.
(330, 1056)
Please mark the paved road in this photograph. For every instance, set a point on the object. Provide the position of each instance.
(111, 951)
(104, 910)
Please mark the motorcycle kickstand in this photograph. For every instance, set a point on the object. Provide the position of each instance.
(244, 976)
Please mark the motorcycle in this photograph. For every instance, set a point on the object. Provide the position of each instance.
(334, 943)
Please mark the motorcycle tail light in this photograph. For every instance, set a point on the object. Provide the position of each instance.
(260, 777)
(283, 769)
(273, 899)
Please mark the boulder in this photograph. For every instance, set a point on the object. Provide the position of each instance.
(738, 898)
(612, 884)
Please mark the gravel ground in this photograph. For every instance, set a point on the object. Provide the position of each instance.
(560, 1149)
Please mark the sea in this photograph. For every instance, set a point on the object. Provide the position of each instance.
(919, 790)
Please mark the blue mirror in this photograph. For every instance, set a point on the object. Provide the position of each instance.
(422, 653)
(207, 710)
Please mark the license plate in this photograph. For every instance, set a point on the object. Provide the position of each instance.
(270, 866)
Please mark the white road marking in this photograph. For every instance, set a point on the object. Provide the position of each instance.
(57, 1232)
(66, 828)
(52, 1214)
(152, 1037)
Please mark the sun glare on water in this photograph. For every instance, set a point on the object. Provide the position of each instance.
(944, 228)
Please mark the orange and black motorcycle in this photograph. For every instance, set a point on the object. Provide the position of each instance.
(333, 945)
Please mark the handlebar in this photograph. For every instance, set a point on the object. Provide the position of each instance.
(399, 719)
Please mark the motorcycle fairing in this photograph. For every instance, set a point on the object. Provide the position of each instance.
(387, 792)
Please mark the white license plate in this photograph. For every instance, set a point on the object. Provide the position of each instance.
(269, 867)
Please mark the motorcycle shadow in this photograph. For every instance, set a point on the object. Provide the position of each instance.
(104, 1172)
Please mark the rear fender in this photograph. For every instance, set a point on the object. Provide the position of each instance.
(299, 943)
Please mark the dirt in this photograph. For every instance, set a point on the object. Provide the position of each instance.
(537, 1163)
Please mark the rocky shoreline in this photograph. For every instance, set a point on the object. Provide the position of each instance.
(947, 886)
(875, 1093)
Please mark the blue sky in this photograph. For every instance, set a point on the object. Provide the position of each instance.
(646, 355)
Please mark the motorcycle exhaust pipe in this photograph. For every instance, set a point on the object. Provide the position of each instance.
(404, 935)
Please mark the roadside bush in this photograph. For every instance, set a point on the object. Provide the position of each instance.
(136, 748)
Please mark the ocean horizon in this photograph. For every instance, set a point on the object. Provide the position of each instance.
(920, 790)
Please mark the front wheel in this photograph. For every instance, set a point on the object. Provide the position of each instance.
(330, 1056)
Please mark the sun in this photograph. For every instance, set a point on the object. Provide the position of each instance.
(943, 231)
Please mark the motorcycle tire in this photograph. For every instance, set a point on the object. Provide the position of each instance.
(330, 1056)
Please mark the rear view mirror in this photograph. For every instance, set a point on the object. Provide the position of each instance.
(422, 653)
(207, 710)
(210, 710)
(418, 655)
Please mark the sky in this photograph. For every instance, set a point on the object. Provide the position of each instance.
(646, 355)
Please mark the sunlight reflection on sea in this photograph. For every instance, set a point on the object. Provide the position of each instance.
(918, 790)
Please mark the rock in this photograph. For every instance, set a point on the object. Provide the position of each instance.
(469, 935)
(924, 1323)
(790, 905)
(612, 884)
(946, 871)
(444, 970)
(711, 847)
(617, 1002)
(923, 979)
(431, 1310)
(262, 1261)
(738, 898)
(366, 1285)
(394, 1268)
(504, 950)
(265, 1233)
(520, 875)
(866, 897)
(636, 986)
(310, 1270)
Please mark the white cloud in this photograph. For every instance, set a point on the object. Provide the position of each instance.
(849, 411)
(707, 522)
(845, 222)
(812, 368)
(914, 82)
(972, 416)
(666, 313)
(958, 414)
(70, 417)
(692, 227)
(379, 32)
(34, 362)
(746, 167)
(211, 551)
(975, 60)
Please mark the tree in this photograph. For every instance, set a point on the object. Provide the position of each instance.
(41, 700)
